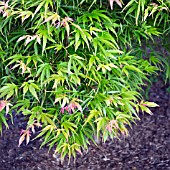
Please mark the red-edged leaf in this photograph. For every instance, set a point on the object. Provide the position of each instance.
(2, 104)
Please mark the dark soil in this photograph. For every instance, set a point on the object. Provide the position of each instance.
(146, 148)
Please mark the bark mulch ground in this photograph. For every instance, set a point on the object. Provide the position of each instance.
(146, 148)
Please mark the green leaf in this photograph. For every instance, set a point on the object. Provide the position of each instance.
(93, 113)
(3, 119)
(33, 92)
(150, 104)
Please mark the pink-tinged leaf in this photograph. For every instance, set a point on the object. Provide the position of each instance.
(109, 128)
(78, 106)
(62, 110)
(150, 104)
(69, 19)
(21, 139)
(69, 108)
(24, 133)
(66, 25)
(117, 1)
(48, 19)
(65, 20)
(113, 122)
(79, 151)
(154, 4)
(6, 4)
(111, 4)
(5, 14)
(2, 104)
(1, 10)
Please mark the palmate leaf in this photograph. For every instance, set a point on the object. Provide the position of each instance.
(45, 34)
(30, 38)
(74, 62)
(47, 119)
(22, 104)
(34, 59)
(8, 90)
(24, 15)
(144, 106)
(101, 123)
(32, 87)
(101, 14)
(14, 58)
(58, 79)
(69, 127)
(25, 134)
(93, 113)
(54, 17)
(44, 71)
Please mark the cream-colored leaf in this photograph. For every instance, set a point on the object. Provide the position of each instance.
(24, 67)
(117, 1)
(7, 107)
(21, 139)
(27, 138)
(29, 39)
(38, 39)
(111, 4)
(22, 38)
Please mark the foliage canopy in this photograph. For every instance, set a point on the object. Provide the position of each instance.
(76, 68)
